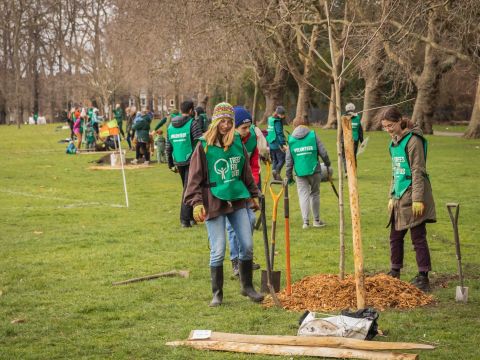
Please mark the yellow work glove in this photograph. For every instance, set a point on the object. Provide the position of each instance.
(417, 208)
(199, 213)
(390, 205)
(254, 204)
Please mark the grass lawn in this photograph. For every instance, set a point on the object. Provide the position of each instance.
(64, 240)
(450, 128)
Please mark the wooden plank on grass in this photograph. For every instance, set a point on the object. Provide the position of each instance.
(286, 350)
(327, 341)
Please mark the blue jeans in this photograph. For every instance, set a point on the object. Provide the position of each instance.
(232, 237)
(216, 235)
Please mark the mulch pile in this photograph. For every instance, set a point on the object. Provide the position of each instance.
(326, 292)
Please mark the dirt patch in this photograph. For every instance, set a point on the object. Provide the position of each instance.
(325, 292)
(442, 280)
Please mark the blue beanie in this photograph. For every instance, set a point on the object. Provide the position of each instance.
(242, 116)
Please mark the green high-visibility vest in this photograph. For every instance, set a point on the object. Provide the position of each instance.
(271, 135)
(304, 154)
(225, 170)
(181, 141)
(251, 143)
(118, 114)
(402, 174)
(355, 127)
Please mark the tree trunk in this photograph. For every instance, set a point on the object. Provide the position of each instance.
(473, 130)
(3, 110)
(16, 65)
(203, 95)
(424, 107)
(273, 98)
(304, 90)
(373, 80)
(332, 112)
(255, 96)
(371, 100)
(303, 102)
(35, 73)
(273, 88)
(428, 82)
(338, 107)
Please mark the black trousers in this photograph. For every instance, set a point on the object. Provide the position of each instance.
(420, 245)
(278, 159)
(186, 211)
(72, 134)
(129, 138)
(138, 153)
(120, 127)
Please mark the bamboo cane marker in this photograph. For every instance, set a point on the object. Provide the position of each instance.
(354, 210)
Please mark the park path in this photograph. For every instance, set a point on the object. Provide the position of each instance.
(448, 133)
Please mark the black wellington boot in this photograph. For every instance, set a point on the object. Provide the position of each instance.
(246, 274)
(216, 275)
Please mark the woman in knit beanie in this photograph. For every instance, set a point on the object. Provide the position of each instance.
(223, 116)
(220, 187)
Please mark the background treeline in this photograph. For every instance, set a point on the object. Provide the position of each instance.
(259, 53)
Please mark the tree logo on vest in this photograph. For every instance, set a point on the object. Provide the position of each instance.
(221, 167)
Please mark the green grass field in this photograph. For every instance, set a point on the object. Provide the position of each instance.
(64, 240)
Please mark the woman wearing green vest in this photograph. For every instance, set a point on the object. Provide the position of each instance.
(304, 147)
(183, 133)
(411, 203)
(118, 115)
(256, 146)
(357, 132)
(276, 141)
(220, 187)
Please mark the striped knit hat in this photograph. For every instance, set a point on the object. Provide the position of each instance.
(221, 111)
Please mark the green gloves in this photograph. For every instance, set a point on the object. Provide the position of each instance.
(291, 181)
(199, 213)
(417, 208)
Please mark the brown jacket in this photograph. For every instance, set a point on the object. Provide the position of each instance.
(420, 190)
(198, 193)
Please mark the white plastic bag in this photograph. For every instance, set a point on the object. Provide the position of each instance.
(341, 326)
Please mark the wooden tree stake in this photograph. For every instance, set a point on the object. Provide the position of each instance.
(173, 273)
(354, 210)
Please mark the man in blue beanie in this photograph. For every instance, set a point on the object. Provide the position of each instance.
(276, 141)
(256, 145)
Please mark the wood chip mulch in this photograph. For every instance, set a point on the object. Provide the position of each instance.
(326, 292)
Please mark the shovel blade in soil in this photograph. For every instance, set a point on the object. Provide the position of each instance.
(461, 294)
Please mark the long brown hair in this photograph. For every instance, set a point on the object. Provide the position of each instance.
(212, 135)
(393, 114)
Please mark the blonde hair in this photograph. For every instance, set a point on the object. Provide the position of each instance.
(212, 135)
